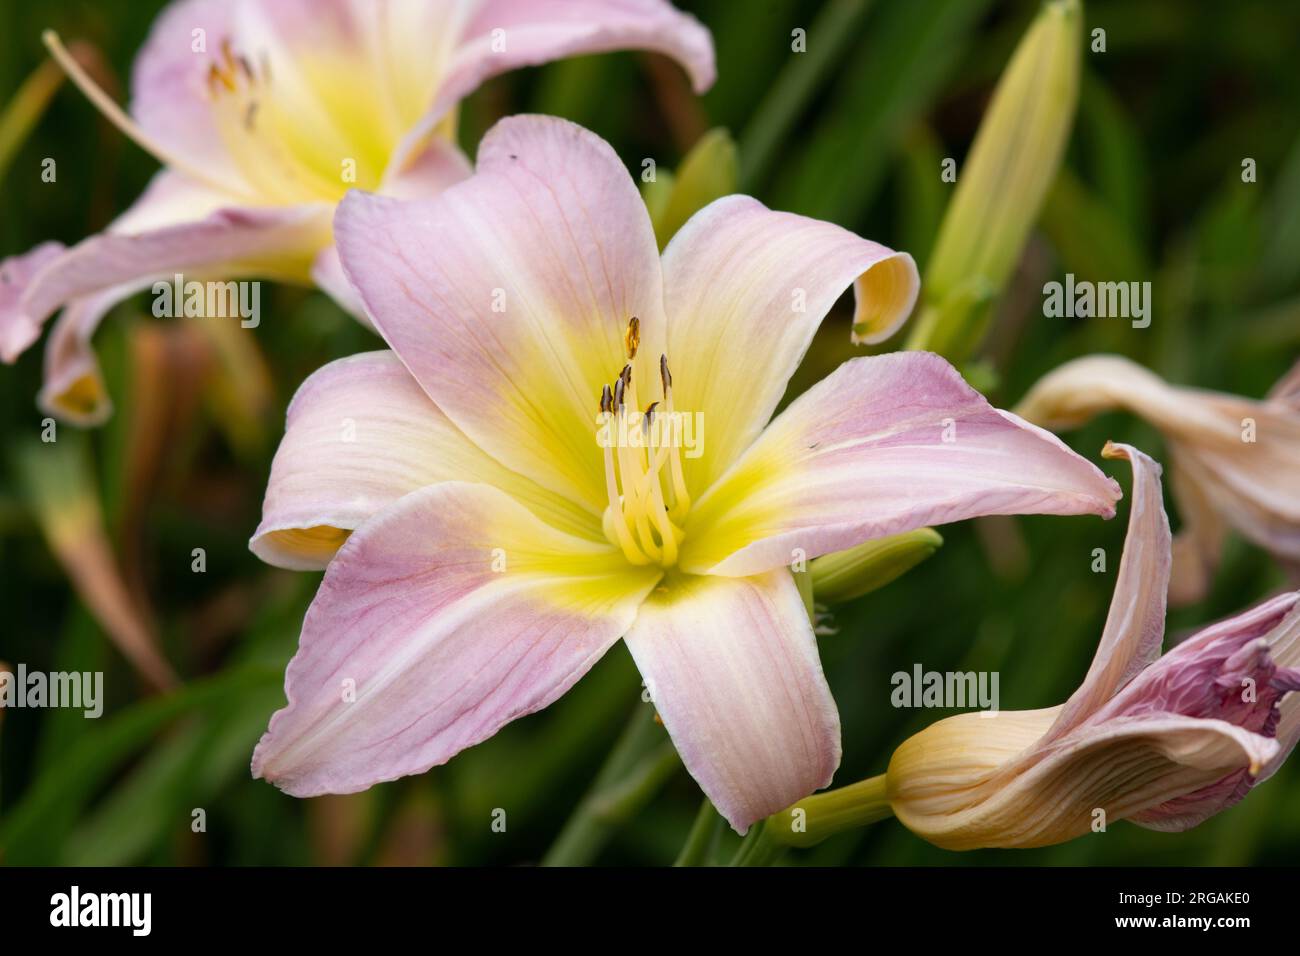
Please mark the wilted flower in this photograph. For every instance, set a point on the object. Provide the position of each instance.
(496, 542)
(1234, 461)
(264, 113)
(1164, 741)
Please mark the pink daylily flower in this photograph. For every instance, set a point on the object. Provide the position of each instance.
(1233, 460)
(485, 545)
(1165, 741)
(264, 113)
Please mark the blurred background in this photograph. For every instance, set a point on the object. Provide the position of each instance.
(853, 131)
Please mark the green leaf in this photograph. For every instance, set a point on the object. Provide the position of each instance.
(898, 67)
(789, 96)
(51, 805)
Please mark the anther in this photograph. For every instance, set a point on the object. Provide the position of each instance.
(632, 338)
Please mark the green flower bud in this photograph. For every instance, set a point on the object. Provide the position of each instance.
(846, 575)
(1002, 187)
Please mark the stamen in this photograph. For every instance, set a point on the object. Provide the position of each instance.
(632, 338)
(614, 517)
(638, 519)
(681, 497)
(667, 533)
(118, 117)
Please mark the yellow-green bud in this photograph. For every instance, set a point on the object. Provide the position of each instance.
(1001, 189)
(846, 575)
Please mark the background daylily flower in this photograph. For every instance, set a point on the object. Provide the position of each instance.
(1234, 460)
(264, 113)
(493, 548)
(1163, 741)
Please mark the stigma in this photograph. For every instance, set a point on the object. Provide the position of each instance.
(644, 481)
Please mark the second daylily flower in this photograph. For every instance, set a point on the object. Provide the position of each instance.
(498, 535)
(264, 113)
(1165, 741)
(1233, 460)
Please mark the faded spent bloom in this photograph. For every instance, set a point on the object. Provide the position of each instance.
(264, 113)
(1164, 741)
(1234, 461)
(503, 516)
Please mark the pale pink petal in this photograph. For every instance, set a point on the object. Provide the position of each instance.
(327, 83)
(509, 296)
(1123, 768)
(17, 274)
(1199, 543)
(177, 226)
(1284, 646)
(1286, 391)
(1248, 484)
(1226, 672)
(1237, 455)
(882, 445)
(439, 166)
(504, 35)
(1186, 737)
(745, 289)
(444, 617)
(170, 96)
(74, 389)
(360, 433)
(1135, 625)
(328, 275)
(732, 668)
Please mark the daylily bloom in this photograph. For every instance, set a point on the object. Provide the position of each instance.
(1233, 460)
(264, 113)
(1163, 741)
(505, 515)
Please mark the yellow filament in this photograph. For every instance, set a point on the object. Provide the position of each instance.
(118, 117)
(616, 518)
(681, 497)
(634, 506)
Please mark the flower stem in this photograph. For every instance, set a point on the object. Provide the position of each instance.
(812, 820)
(703, 838)
(758, 848)
(815, 818)
(640, 763)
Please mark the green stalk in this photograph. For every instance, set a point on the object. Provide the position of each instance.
(23, 112)
(758, 848)
(815, 818)
(703, 838)
(639, 765)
